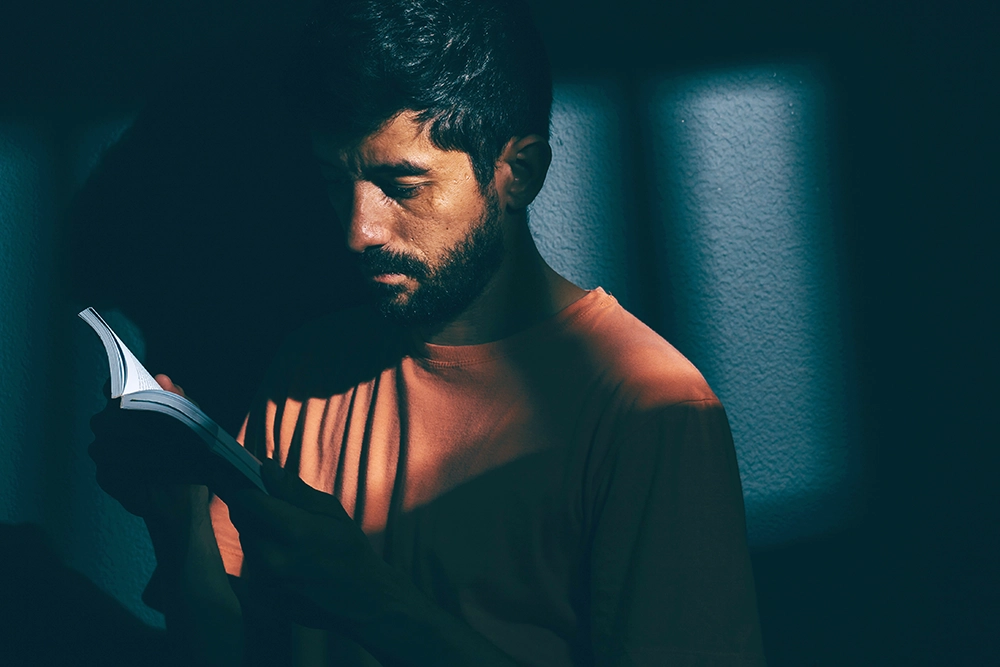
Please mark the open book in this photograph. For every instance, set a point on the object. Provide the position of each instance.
(131, 382)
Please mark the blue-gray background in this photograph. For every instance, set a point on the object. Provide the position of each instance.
(796, 198)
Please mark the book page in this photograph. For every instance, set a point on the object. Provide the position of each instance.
(127, 374)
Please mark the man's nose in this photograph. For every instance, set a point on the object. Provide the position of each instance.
(369, 220)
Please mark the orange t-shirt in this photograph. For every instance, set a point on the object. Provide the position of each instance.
(570, 491)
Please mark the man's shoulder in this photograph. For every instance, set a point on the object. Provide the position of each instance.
(643, 367)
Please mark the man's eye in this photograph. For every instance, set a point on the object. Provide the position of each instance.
(397, 191)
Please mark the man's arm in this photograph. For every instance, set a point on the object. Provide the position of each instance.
(305, 557)
(190, 586)
(670, 580)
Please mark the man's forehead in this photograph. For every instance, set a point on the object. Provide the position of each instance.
(398, 137)
(401, 141)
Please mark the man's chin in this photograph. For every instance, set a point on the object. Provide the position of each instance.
(403, 307)
(401, 315)
(394, 302)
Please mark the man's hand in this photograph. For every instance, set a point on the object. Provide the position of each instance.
(305, 556)
(152, 464)
(156, 467)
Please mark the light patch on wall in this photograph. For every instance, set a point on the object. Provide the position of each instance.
(748, 249)
(579, 218)
(27, 217)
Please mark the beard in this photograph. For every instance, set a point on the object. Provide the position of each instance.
(446, 290)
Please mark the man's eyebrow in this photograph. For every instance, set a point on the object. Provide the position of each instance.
(395, 169)
(385, 170)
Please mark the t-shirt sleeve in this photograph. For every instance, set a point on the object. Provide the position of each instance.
(671, 581)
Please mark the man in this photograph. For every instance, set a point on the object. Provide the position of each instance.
(491, 465)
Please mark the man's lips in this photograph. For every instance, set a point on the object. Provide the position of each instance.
(388, 278)
(388, 268)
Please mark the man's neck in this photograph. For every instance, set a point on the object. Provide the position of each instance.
(524, 291)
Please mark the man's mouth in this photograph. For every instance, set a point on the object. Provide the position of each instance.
(386, 268)
(388, 278)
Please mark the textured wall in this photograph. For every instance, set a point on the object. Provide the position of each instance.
(750, 252)
(579, 218)
(746, 256)
(51, 370)
(27, 228)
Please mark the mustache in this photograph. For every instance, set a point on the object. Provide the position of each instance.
(374, 261)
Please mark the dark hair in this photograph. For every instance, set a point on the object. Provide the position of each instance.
(476, 70)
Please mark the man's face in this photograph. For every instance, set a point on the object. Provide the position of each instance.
(427, 239)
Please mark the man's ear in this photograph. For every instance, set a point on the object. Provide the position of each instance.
(523, 165)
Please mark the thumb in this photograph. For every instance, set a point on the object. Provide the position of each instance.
(287, 486)
(167, 384)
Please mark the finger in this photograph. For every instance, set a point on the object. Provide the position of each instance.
(225, 479)
(168, 385)
(148, 447)
(263, 516)
(127, 429)
(267, 559)
(255, 513)
(289, 487)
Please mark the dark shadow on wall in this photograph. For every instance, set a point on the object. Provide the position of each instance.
(207, 226)
(51, 614)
